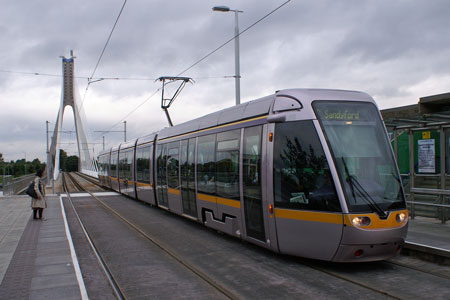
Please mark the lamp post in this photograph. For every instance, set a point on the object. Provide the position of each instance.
(237, 75)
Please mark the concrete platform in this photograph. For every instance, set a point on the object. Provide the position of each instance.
(36, 261)
(35, 257)
(428, 239)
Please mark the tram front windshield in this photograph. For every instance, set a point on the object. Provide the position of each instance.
(362, 155)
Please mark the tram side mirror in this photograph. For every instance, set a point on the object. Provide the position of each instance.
(277, 118)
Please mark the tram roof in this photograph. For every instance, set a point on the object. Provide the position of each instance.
(259, 107)
(243, 111)
(431, 111)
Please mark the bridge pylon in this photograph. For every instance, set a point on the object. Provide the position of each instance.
(70, 97)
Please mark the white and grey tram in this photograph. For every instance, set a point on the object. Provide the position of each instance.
(304, 172)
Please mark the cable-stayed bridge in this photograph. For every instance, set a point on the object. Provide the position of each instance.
(70, 97)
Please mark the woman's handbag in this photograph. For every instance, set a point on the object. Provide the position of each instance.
(31, 192)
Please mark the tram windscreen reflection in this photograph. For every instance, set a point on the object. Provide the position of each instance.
(362, 155)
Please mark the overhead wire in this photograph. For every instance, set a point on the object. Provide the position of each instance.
(231, 39)
(104, 132)
(101, 55)
(109, 38)
(37, 74)
(95, 79)
(103, 51)
(202, 59)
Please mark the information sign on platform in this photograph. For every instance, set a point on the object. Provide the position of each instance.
(426, 156)
(426, 135)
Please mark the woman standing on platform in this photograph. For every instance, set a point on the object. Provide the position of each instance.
(38, 204)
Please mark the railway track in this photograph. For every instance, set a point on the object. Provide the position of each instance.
(118, 291)
(69, 181)
(394, 279)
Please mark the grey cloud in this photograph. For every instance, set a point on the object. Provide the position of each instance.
(381, 47)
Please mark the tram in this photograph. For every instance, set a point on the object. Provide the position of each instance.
(303, 172)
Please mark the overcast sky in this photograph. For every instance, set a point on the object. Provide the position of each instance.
(395, 50)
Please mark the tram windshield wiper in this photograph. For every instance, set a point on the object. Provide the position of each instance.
(356, 186)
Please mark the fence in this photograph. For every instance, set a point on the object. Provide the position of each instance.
(438, 205)
(16, 185)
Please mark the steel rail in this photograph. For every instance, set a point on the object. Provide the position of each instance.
(172, 254)
(104, 266)
(358, 283)
(90, 179)
(404, 265)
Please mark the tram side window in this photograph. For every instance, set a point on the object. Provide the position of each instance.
(129, 165)
(148, 154)
(227, 163)
(122, 165)
(139, 165)
(100, 166)
(161, 174)
(114, 165)
(143, 165)
(206, 165)
(103, 165)
(173, 165)
(302, 178)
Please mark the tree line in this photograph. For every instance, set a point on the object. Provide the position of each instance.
(22, 167)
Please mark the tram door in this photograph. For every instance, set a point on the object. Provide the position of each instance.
(306, 207)
(187, 170)
(173, 178)
(251, 164)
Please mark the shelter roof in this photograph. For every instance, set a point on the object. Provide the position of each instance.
(430, 111)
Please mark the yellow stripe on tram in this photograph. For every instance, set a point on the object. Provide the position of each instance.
(173, 191)
(313, 216)
(229, 202)
(141, 184)
(207, 198)
(219, 200)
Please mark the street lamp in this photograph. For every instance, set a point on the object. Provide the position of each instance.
(237, 75)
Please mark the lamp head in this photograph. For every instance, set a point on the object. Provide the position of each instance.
(221, 8)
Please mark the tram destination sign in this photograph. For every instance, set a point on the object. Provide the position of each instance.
(344, 111)
(341, 115)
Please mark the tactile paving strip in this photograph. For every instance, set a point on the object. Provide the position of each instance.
(17, 281)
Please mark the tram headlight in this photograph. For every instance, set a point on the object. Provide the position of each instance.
(361, 221)
(400, 217)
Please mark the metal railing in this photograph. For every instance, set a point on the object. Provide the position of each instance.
(17, 185)
(441, 208)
